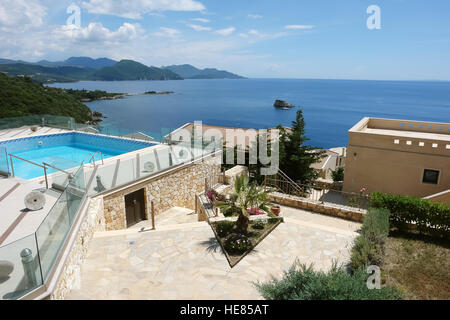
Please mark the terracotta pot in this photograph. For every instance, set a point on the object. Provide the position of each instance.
(275, 210)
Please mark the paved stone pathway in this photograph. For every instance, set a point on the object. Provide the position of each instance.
(187, 262)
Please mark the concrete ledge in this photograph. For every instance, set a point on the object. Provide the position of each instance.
(348, 213)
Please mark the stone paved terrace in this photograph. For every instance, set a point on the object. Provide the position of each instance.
(184, 261)
(16, 221)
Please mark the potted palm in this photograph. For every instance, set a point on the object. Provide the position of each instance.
(246, 196)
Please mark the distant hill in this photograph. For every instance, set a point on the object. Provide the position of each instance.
(132, 70)
(188, 71)
(85, 68)
(89, 62)
(123, 70)
(9, 61)
(20, 96)
(47, 74)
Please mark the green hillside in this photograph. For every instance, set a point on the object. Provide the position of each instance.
(132, 70)
(20, 96)
(47, 74)
(188, 71)
(85, 68)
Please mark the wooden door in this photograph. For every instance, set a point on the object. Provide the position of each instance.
(135, 207)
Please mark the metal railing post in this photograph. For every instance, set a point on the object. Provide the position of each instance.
(28, 268)
(46, 179)
(12, 166)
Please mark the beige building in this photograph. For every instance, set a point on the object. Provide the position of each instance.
(399, 157)
(327, 164)
(232, 136)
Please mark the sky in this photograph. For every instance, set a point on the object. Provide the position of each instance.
(324, 39)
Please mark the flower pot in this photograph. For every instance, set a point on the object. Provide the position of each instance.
(275, 210)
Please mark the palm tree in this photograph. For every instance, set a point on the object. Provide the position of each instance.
(246, 195)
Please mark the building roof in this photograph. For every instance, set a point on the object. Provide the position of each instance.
(239, 136)
(403, 128)
(321, 164)
(140, 136)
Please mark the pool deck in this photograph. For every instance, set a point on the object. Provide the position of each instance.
(26, 131)
(16, 221)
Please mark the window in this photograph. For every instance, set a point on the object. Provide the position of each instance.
(430, 176)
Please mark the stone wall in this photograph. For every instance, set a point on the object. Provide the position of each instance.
(349, 213)
(232, 174)
(92, 222)
(175, 188)
(328, 184)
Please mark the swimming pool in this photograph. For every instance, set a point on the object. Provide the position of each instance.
(64, 151)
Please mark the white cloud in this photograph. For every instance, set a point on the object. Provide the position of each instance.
(254, 35)
(196, 27)
(226, 31)
(20, 15)
(135, 9)
(167, 32)
(255, 16)
(298, 27)
(201, 20)
(96, 32)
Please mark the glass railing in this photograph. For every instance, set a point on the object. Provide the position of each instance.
(145, 163)
(21, 268)
(111, 130)
(38, 120)
(26, 263)
(70, 124)
(4, 164)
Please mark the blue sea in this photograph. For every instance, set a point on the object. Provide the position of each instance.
(330, 107)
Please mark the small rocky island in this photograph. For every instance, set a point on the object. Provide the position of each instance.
(282, 104)
(158, 92)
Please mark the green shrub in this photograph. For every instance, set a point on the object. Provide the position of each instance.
(224, 228)
(230, 211)
(338, 174)
(258, 224)
(237, 243)
(368, 248)
(303, 283)
(429, 217)
(365, 253)
(274, 220)
(376, 225)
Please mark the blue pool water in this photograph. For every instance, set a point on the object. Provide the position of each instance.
(64, 151)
